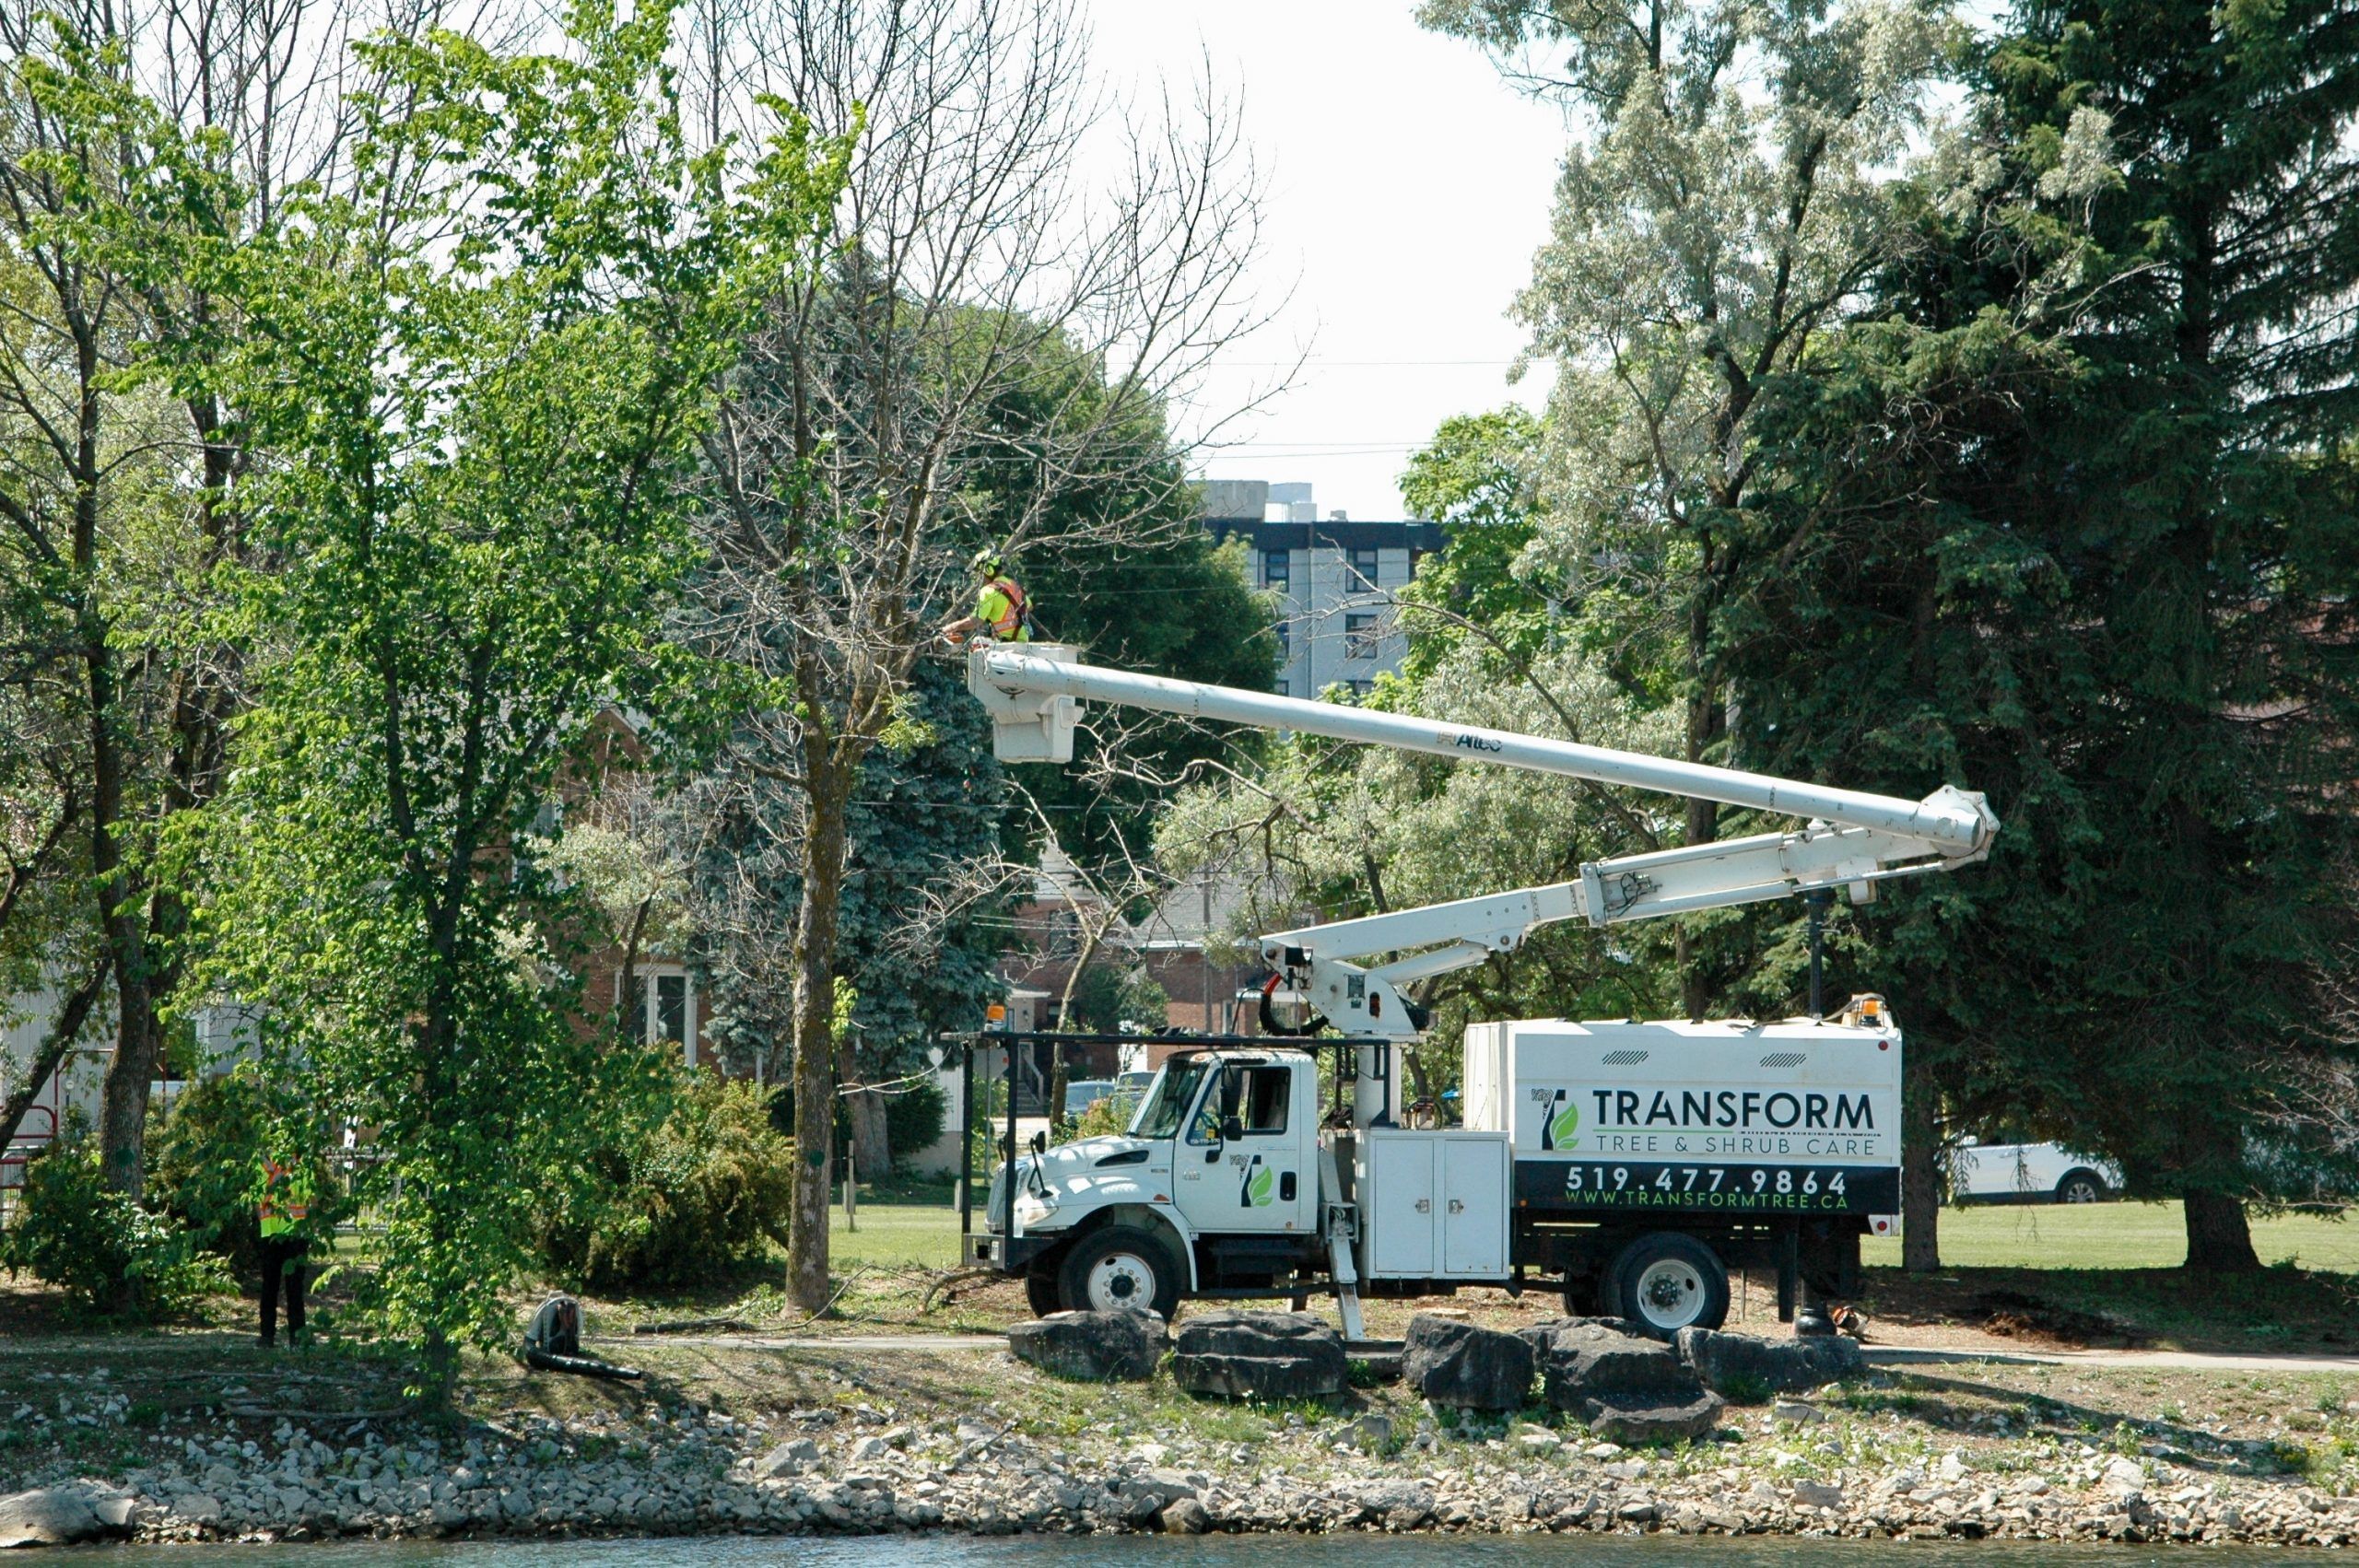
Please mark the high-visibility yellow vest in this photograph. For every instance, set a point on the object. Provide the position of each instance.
(1001, 606)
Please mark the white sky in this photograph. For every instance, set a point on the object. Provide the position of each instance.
(1408, 186)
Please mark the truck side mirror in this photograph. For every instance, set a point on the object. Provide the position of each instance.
(1231, 1129)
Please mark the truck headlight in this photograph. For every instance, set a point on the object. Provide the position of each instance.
(1032, 1209)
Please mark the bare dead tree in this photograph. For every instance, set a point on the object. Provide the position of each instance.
(1028, 271)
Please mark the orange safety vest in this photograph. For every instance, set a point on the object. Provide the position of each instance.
(1013, 624)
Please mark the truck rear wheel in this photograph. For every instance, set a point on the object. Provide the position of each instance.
(1120, 1269)
(1665, 1281)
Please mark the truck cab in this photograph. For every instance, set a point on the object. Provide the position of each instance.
(1213, 1188)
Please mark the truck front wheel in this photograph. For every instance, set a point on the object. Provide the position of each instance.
(1665, 1281)
(1120, 1269)
(1040, 1292)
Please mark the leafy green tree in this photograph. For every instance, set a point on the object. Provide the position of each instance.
(1479, 477)
(1730, 191)
(479, 370)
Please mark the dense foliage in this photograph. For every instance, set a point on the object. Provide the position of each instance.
(206, 1161)
(107, 1254)
(703, 1193)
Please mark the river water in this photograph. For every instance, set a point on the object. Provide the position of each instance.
(1207, 1552)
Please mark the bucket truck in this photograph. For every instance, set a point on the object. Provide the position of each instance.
(1631, 1164)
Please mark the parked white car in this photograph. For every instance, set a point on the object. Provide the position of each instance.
(2028, 1173)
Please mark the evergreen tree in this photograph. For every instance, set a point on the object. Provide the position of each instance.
(2208, 528)
(2081, 518)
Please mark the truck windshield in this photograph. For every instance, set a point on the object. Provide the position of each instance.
(1169, 1097)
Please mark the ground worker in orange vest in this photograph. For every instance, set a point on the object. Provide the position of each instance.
(281, 1212)
(1001, 611)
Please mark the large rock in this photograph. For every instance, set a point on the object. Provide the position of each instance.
(1631, 1424)
(1743, 1367)
(51, 1517)
(1258, 1355)
(1584, 1361)
(1095, 1347)
(1465, 1367)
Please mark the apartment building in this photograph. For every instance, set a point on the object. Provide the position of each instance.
(1334, 579)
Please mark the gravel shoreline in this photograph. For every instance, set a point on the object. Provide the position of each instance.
(1797, 1469)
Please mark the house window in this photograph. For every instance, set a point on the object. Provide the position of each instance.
(1286, 687)
(1363, 565)
(1360, 636)
(661, 1008)
(1285, 642)
(1277, 570)
(1361, 688)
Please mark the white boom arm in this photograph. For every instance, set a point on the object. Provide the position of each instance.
(1856, 840)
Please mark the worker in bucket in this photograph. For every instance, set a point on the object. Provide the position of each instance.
(282, 1214)
(1003, 611)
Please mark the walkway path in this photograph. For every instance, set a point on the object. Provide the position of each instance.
(1878, 1355)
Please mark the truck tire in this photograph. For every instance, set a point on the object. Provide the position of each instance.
(1041, 1293)
(2081, 1186)
(1121, 1267)
(1665, 1281)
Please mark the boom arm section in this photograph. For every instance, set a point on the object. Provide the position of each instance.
(1856, 840)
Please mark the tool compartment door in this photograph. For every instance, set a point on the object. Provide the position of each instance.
(1399, 1205)
(1474, 1179)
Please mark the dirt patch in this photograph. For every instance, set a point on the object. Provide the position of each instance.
(2011, 1314)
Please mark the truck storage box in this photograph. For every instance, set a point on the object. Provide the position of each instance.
(1795, 1118)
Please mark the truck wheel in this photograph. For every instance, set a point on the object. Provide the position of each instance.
(2081, 1186)
(1665, 1281)
(1120, 1269)
(1040, 1293)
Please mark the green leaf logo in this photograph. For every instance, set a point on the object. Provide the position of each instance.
(1258, 1190)
(1564, 1125)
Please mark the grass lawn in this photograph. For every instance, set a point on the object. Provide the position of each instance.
(904, 1231)
(2113, 1235)
(895, 1234)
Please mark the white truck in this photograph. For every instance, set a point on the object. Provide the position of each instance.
(1631, 1164)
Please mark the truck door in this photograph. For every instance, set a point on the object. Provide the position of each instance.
(1242, 1164)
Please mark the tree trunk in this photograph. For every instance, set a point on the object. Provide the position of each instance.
(870, 1144)
(829, 792)
(2219, 1239)
(1058, 1076)
(1920, 1165)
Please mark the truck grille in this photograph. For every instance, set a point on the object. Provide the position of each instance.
(1623, 1058)
(1784, 1058)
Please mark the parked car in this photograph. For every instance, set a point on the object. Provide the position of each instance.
(1084, 1093)
(2028, 1173)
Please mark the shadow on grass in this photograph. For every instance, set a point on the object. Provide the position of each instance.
(2281, 1310)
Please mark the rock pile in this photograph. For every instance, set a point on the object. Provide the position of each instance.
(856, 1469)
